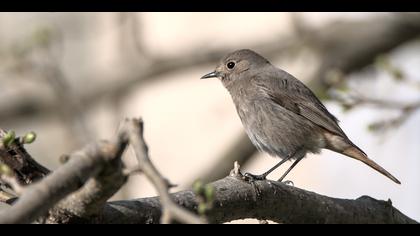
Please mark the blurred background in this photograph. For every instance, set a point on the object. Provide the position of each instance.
(72, 77)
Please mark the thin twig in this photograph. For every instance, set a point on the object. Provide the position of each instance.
(349, 101)
(171, 211)
(5, 197)
(13, 183)
(131, 171)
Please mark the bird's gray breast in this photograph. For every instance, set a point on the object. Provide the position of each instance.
(272, 128)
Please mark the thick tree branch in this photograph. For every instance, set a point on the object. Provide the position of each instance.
(86, 203)
(268, 200)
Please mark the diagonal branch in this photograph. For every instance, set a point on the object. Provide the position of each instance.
(87, 202)
(350, 46)
(170, 209)
(349, 101)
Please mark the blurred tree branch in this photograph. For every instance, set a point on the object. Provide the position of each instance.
(349, 101)
(170, 210)
(39, 55)
(344, 46)
(350, 46)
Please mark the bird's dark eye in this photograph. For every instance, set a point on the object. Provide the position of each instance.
(230, 65)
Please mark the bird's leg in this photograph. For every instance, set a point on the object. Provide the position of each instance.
(263, 176)
(252, 177)
(291, 167)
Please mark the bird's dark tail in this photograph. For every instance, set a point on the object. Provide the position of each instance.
(358, 154)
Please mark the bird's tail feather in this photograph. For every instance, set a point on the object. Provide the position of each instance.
(358, 154)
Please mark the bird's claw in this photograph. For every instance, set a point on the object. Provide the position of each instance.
(251, 178)
(288, 182)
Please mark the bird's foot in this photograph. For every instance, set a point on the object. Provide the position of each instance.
(251, 178)
(288, 182)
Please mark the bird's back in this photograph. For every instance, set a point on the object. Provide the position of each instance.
(269, 104)
(287, 91)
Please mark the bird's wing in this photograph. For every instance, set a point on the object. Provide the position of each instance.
(290, 93)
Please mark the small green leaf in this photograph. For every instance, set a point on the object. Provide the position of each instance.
(64, 158)
(334, 77)
(374, 127)
(29, 138)
(382, 61)
(9, 138)
(42, 36)
(198, 187)
(343, 88)
(5, 170)
(398, 74)
(202, 208)
(347, 107)
(209, 193)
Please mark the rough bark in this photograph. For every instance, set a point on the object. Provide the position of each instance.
(268, 200)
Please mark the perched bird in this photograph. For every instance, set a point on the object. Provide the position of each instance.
(280, 114)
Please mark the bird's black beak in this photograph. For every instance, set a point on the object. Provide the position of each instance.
(210, 75)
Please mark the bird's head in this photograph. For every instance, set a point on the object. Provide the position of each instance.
(236, 65)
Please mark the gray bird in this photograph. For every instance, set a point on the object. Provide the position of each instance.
(280, 114)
